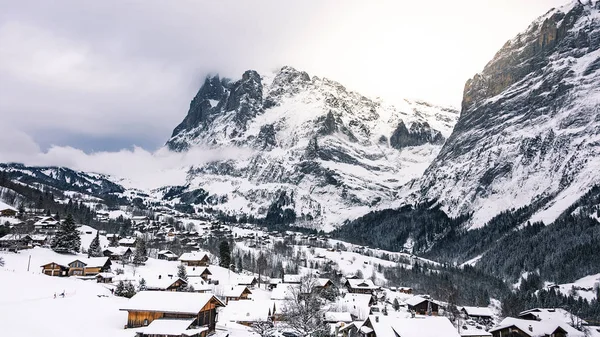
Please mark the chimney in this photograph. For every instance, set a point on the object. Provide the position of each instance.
(377, 319)
(159, 277)
(530, 328)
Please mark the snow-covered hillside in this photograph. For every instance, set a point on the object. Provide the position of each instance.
(324, 152)
(529, 127)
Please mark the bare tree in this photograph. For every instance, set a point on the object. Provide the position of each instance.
(303, 313)
(264, 328)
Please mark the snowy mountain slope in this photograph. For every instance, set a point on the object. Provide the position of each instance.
(61, 178)
(529, 126)
(326, 153)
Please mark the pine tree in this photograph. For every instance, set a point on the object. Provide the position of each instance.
(1, 261)
(142, 285)
(140, 253)
(181, 272)
(95, 250)
(225, 255)
(120, 290)
(67, 238)
(396, 304)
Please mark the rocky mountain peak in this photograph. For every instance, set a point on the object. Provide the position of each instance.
(524, 120)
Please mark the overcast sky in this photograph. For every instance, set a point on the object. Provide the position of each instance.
(108, 75)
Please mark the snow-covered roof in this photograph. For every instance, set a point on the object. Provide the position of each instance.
(275, 281)
(362, 284)
(38, 237)
(5, 206)
(235, 291)
(105, 275)
(537, 328)
(469, 330)
(168, 301)
(117, 250)
(169, 327)
(321, 282)
(93, 262)
(223, 275)
(284, 291)
(424, 326)
(415, 300)
(331, 316)
(356, 304)
(478, 311)
(15, 237)
(162, 283)
(245, 279)
(194, 256)
(247, 311)
(127, 241)
(556, 314)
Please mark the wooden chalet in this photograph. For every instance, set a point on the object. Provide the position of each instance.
(166, 284)
(482, 314)
(324, 283)
(359, 286)
(147, 306)
(16, 241)
(46, 225)
(128, 242)
(236, 293)
(90, 266)
(55, 269)
(247, 280)
(8, 212)
(526, 328)
(118, 253)
(422, 306)
(167, 255)
(195, 259)
(394, 326)
(105, 277)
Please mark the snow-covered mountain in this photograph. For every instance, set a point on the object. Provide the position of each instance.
(529, 128)
(315, 148)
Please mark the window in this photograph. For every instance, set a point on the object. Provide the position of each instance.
(146, 322)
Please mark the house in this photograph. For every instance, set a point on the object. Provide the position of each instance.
(167, 255)
(337, 317)
(105, 277)
(147, 306)
(89, 266)
(196, 259)
(323, 283)
(358, 305)
(478, 313)
(248, 312)
(551, 314)
(274, 282)
(285, 291)
(127, 242)
(39, 239)
(511, 326)
(247, 280)
(422, 306)
(405, 290)
(202, 272)
(166, 284)
(236, 293)
(169, 327)
(7, 210)
(16, 241)
(402, 326)
(359, 286)
(292, 278)
(118, 253)
(46, 225)
(55, 269)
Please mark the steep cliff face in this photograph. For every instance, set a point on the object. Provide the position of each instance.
(529, 124)
(333, 152)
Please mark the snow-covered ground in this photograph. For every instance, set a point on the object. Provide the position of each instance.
(584, 288)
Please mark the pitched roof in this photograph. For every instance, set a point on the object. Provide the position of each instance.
(247, 311)
(556, 314)
(127, 241)
(235, 291)
(362, 284)
(416, 300)
(162, 283)
(292, 278)
(169, 301)
(170, 327)
(537, 328)
(194, 256)
(478, 311)
(284, 291)
(331, 316)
